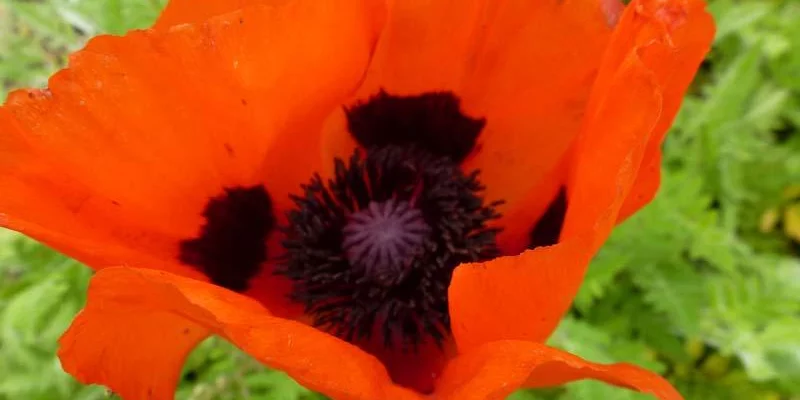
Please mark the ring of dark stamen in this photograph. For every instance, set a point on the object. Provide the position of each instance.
(407, 304)
(432, 121)
(231, 245)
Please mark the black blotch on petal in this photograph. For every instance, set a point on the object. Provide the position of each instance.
(548, 229)
(431, 121)
(232, 244)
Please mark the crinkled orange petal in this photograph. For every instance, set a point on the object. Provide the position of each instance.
(669, 38)
(525, 66)
(524, 297)
(114, 163)
(139, 325)
(674, 64)
(496, 369)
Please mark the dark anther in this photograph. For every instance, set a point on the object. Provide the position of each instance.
(232, 244)
(431, 121)
(372, 251)
(547, 230)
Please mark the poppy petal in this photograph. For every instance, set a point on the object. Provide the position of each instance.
(669, 39)
(139, 325)
(531, 82)
(496, 369)
(515, 297)
(524, 297)
(415, 54)
(192, 11)
(524, 66)
(674, 64)
(115, 162)
(623, 114)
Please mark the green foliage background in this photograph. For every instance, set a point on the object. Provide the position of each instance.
(702, 286)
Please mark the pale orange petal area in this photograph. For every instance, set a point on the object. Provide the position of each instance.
(139, 324)
(670, 38)
(120, 155)
(531, 81)
(496, 369)
(525, 66)
(686, 33)
(516, 297)
(523, 298)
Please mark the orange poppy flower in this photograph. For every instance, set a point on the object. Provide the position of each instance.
(301, 179)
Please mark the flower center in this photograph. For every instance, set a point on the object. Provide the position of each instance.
(384, 238)
(372, 250)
